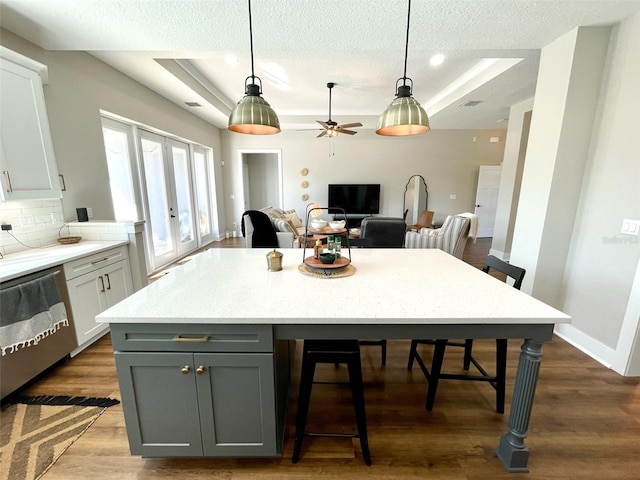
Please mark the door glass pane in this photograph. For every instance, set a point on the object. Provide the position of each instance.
(202, 194)
(119, 166)
(183, 193)
(157, 196)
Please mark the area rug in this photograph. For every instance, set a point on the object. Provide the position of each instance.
(35, 431)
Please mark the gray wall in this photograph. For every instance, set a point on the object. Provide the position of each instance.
(602, 264)
(447, 159)
(79, 87)
(264, 189)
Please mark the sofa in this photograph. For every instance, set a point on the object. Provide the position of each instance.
(286, 223)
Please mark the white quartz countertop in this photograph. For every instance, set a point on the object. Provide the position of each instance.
(35, 259)
(394, 285)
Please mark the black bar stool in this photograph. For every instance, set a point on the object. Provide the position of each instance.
(336, 352)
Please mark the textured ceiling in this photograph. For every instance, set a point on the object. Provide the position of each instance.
(178, 48)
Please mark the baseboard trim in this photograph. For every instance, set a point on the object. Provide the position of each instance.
(586, 344)
(501, 255)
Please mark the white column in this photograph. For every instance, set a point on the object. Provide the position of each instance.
(561, 127)
(515, 149)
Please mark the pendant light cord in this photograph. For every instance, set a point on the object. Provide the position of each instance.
(253, 76)
(406, 45)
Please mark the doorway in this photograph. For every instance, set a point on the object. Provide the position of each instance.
(261, 179)
(167, 185)
(487, 199)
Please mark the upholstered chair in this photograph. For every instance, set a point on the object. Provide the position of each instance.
(451, 237)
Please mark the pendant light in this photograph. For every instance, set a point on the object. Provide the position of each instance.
(252, 114)
(404, 116)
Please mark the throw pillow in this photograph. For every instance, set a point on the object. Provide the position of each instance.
(294, 219)
(283, 225)
(272, 212)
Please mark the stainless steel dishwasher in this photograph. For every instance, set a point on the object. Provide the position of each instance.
(24, 364)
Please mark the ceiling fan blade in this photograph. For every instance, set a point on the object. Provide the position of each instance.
(308, 129)
(348, 132)
(324, 124)
(350, 125)
(323, 134)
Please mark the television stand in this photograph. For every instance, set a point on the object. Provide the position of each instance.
(353, 219)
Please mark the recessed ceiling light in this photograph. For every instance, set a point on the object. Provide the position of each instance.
(192, 104)
(231, 59)
(436, 59)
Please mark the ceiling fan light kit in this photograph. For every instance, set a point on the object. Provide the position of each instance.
(332, 129)
(405, 115)
(252, 114)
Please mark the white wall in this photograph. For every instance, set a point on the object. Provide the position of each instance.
(602, 263)
(447, 159)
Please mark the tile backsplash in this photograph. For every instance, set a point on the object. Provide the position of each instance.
(35, 223)
(39, 223)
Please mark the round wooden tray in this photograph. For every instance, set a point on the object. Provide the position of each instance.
(327, 231)
(316, 263)
(324, 273)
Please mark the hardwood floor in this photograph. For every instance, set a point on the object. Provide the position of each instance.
(585, 422)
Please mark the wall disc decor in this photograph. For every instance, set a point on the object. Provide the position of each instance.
(304, 172)
(305, 197)
(304, 184)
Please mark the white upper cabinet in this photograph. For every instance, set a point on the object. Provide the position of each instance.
(27, 162)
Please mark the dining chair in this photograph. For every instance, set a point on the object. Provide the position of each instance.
(425, 219)
(497, 381)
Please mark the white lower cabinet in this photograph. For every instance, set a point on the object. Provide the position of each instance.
(105, 280)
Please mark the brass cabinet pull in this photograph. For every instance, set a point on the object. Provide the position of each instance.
(102, 282)
(98, 261)
(108, 281)
(180, 338)
(6, 174)
(200, 370)
(63, 186)
(185, 369)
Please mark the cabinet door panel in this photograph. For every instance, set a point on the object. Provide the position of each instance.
(160, 404)
(237, 404)
(118, 282)
(87, 301)
(25, 138)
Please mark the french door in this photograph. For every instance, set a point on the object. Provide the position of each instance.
(171, 227)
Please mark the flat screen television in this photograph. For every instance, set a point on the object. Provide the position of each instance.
(359, 199)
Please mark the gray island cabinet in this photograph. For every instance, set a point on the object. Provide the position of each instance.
(204, 353)
(202, 390)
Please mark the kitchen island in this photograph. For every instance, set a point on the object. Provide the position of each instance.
(204, 354)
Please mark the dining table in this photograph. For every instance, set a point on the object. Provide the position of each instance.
(393, 293)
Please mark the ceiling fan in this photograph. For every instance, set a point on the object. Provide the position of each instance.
(331, 128)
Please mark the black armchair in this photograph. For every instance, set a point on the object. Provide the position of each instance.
(384, 232)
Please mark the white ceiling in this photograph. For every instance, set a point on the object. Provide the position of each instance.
(178, 49)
